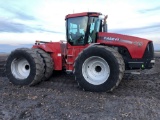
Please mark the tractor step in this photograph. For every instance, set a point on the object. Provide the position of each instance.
(134, 72)
(69, 71)
(69, 55)
(69, 63)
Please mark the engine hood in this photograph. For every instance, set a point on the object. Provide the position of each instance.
(135, 45)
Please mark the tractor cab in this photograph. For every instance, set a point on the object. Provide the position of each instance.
(82, 28)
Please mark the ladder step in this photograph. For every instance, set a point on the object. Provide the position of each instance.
(69, 71)
(70, 55)
(70, 63)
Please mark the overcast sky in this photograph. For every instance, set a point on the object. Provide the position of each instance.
(24, 21)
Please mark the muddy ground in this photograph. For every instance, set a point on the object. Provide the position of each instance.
(136, 98)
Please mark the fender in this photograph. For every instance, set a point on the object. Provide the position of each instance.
(135, 45)
(54, 49)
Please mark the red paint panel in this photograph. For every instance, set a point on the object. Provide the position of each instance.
(74, 51)
(135, 45)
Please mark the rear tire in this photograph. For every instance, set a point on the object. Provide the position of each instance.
(48, 63)
(99, 69)
(24, 67)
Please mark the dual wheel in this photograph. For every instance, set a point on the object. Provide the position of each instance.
(28, 66)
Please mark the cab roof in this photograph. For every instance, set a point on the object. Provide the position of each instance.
(96, 14)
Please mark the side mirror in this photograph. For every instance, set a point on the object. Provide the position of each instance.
(105, 26)
(104, 19)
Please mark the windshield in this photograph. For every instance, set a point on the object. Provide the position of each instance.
(76, 30)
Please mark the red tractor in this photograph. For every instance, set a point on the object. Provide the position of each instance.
(98, 59)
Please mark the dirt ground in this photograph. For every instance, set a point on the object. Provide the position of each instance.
(136, 98)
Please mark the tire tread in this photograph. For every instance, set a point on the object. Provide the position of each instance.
(38, 64)
(48, 63)
(118, 57)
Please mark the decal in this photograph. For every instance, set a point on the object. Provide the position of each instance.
(111, 39)
(136, 43)
(126, 41)
(139, 44)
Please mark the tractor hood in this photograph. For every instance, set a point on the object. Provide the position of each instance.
(135, 45)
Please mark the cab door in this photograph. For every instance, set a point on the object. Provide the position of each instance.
(76, 37)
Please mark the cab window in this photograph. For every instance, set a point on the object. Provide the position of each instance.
(76, 30)
(94, 29)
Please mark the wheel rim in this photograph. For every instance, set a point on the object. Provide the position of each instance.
(95, 70)
(20, 68)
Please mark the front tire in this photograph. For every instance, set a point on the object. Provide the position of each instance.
(24, 67)
(99, 69)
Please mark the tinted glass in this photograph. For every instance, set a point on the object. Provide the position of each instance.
(76, 30)
(94, 28)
